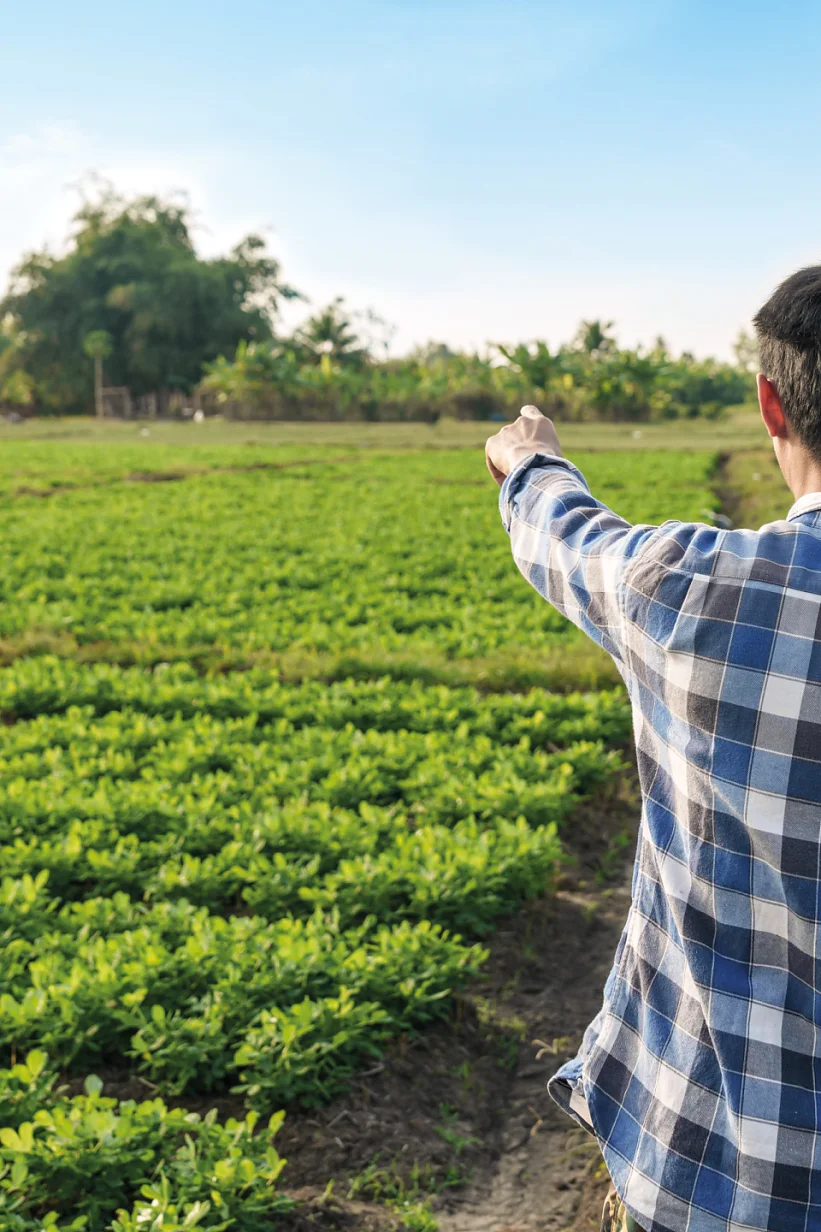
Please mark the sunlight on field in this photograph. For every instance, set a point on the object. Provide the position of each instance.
(738, 428)
(285, 737)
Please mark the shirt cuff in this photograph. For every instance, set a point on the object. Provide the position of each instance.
(511, 485)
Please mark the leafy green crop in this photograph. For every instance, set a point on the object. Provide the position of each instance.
(76, 1163)
(336, 838)
(386, 554)
(230, 883)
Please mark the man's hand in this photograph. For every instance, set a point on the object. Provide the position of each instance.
(531, 433)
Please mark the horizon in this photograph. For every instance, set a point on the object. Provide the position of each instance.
(473, 174)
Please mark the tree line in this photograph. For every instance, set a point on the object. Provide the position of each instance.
(130, 304)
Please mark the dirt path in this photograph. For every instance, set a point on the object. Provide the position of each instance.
(548, 1175)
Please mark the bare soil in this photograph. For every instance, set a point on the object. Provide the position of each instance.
(317, 1213)
(543, 1173)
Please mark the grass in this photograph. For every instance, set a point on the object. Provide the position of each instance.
(406, 1196)
(740, 428)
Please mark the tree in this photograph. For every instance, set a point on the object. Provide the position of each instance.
(534, 362)
(595, 337)
(260, 376)
(430, 353)
(97, 346)
(343, 336)
(131, 271)
(15, 383)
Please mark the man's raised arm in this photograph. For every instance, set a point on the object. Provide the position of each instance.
(570, 547)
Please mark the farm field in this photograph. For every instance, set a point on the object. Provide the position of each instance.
(285, 737)
(739, 427)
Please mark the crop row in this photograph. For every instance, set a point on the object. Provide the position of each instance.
(280, 1011)
(132, 838)
(226, 811)
(29, 467)
(388, 554)
(47, 685)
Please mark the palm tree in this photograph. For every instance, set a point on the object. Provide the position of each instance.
(332, 332)
(595, 337)
(97, 346)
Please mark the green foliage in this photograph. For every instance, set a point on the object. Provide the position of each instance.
(80, 1162)
(131, 273)
(231, 883)
(344, 338)
(379, 818)
(406, 1196)
(16, 385)
(24, 1089)
(755, 488)
(592, 378)
(97, 344)
(195, 867)
(46, 685)
(411, 557)
(305, 1052)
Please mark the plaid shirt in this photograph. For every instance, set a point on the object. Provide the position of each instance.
(701, 1074)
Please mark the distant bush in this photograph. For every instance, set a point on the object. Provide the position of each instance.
(591, 378)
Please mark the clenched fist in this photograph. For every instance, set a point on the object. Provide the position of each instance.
(531, 433)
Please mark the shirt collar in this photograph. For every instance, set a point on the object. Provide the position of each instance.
(810, 502)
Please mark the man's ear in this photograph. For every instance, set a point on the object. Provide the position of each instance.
(772, 412)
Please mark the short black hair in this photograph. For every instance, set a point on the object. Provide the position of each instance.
(789, 342)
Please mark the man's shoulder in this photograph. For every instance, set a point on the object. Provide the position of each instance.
(781, 554)
(690, 549)
(675, 550)
(689, 567)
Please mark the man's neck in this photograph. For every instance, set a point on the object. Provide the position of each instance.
(808, 484)
(801, 471)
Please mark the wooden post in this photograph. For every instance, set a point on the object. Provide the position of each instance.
(98, 386)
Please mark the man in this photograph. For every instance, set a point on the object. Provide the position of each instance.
(701, 1075)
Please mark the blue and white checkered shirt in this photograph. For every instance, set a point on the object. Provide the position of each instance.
(701, 1075)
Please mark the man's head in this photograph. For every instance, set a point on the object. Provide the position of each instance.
(789, 387)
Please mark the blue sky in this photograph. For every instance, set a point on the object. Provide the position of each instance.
(473, 171)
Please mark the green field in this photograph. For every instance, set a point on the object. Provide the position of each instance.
(740, 427)
(284, 736)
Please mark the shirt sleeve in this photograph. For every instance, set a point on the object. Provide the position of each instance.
(571, 548)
